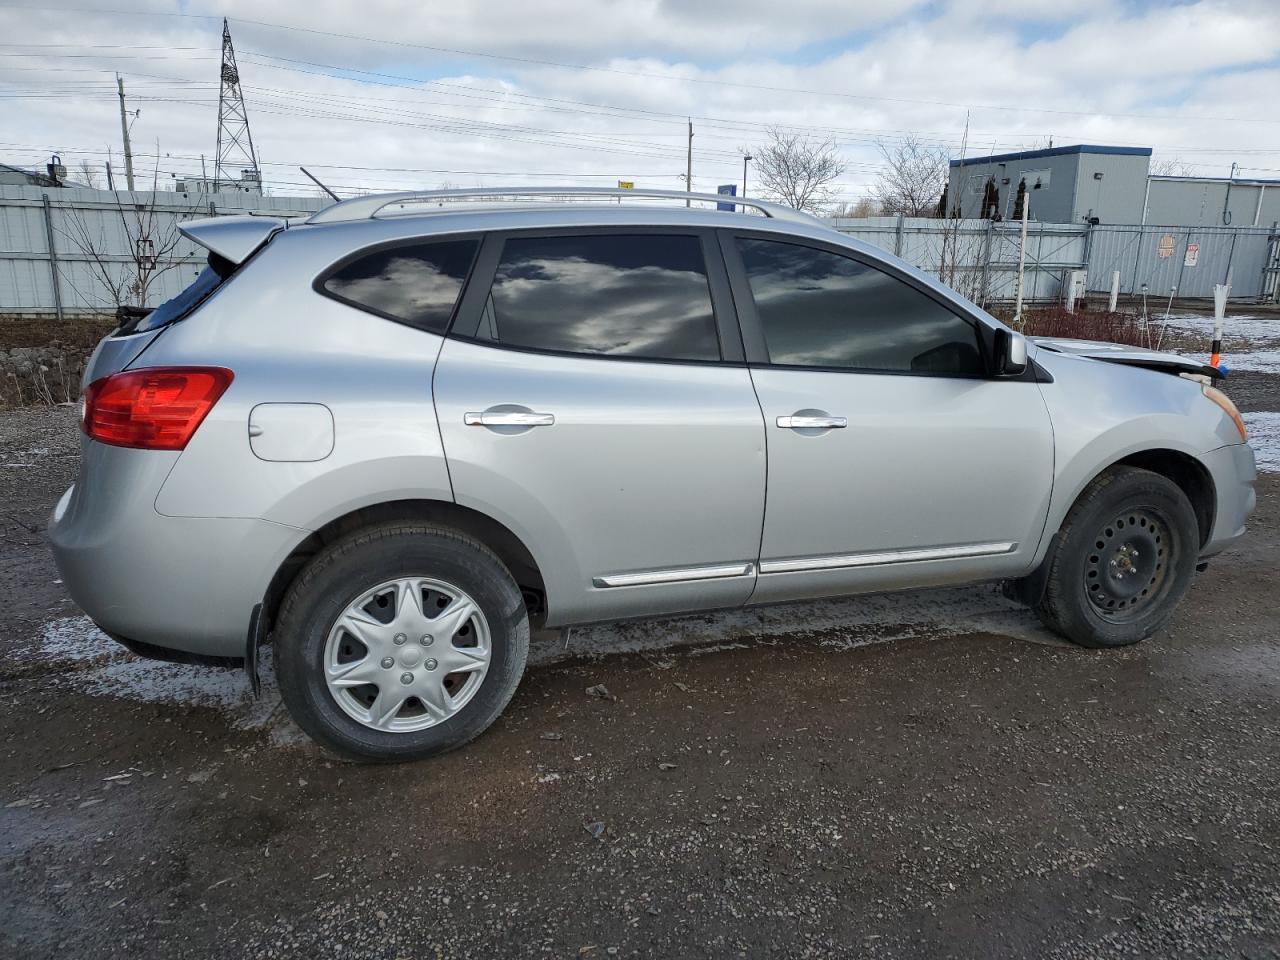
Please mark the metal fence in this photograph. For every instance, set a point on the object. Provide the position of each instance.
(1185, 261)
(61, 249)
(980, 258)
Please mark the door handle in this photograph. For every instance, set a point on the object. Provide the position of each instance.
(508, 418)
(797, 422)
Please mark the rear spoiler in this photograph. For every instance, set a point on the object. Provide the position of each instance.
(233, 238)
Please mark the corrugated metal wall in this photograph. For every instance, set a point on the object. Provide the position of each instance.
(987, 256)
(981, 257)
(95, 232)
(1189, 260)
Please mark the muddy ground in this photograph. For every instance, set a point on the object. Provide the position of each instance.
(919, 775)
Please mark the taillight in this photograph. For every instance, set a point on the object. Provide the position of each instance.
(153, 408)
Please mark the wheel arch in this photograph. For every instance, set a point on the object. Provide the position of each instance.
(510, 549)
(1190, 476)
(1184, 470)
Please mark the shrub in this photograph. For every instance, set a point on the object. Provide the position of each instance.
(1054, 321)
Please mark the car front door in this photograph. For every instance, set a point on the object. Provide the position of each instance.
(592, 397)
(895, 458)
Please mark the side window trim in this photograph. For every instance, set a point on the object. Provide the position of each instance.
(318, 284)
(757, 352)
(469, 318)
(749, 326)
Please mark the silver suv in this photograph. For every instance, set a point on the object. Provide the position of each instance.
(391, 437)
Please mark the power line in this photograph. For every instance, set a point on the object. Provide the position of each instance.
(494, 96)
(650, 75)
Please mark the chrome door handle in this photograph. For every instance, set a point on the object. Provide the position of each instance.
(508, 418)
(812, 423)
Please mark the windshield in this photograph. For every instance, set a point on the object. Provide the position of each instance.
(210, 278)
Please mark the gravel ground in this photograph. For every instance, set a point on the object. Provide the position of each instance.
(919, 775)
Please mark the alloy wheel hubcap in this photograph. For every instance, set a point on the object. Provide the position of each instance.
(407, 655)
(1127, 565)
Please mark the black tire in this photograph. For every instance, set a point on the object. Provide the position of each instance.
(1100, 589)
(337, 576)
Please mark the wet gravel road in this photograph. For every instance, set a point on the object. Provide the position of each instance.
(935, 778)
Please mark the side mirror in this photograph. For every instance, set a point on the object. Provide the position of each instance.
(1013, 358)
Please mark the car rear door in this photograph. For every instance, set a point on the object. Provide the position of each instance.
(592, 396)
(895, 459)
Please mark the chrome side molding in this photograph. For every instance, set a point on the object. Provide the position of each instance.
(677, 575)
(798, 564)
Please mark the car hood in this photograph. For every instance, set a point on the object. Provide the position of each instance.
(1129, 356)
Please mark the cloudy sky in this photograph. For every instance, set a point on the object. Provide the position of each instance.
(389, 95)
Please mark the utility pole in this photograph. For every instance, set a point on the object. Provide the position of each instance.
(745, 158)
(124, 132)
(688, 169)
(1022, 261)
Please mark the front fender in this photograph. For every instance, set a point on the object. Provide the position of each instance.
(1103, 413)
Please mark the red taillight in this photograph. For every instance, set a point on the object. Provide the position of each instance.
(154, 408)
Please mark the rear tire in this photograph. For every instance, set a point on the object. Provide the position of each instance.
(1122, 560)
(400, 642)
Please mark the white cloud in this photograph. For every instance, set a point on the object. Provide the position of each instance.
(1103, 74)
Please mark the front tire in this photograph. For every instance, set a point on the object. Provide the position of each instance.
(400, 642)
(1122, 560)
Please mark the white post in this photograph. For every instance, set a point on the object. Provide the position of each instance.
(1220, 293)
(1022, 259)
(1115, 290)
(1073, 289)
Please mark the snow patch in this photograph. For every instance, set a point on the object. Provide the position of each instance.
(1264, 437)
(1233, 328)
(1249, 343)
(101, 667)
(844, 623)
(98, 666)
(1261, 361)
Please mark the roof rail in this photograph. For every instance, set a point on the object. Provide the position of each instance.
(366, 208)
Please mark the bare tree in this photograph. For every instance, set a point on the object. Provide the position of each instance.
(1171, 167)
(798, 169)
(87, 173)
(912, 178)
(153, 239)
(863, 207)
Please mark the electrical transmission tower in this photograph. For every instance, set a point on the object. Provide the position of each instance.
(236, 167)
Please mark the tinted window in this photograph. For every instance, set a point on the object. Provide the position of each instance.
(175, 308)
(626, 296)
(418, 285)
(819, 309)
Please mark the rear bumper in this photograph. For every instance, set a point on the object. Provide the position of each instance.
(1234, 471)
(178, 583)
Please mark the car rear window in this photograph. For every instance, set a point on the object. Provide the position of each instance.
(638, 296)
(416, 284)
(140, 320)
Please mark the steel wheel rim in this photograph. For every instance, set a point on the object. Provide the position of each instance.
(1127, 567)
(407, 654)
